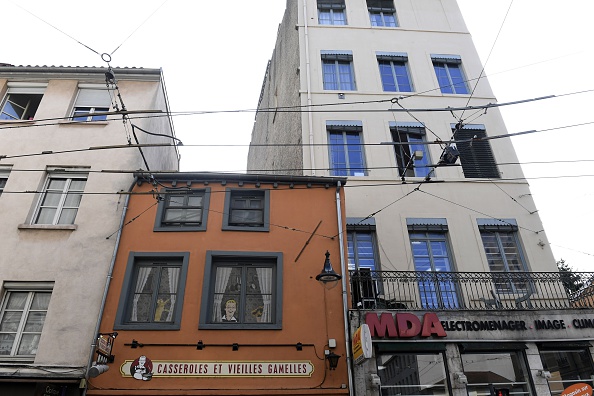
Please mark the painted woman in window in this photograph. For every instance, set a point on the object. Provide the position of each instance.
(230, 310)
(243, 294)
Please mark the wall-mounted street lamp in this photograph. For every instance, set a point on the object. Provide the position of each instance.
(332, 359)
(328, 274)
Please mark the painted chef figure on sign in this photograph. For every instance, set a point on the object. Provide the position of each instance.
(142, 369)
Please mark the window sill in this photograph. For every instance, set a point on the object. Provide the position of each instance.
(17, 360)
(147, 326)
(62, 227)
(17, 122)
(240, 326)
(246, 228)
(96, 123)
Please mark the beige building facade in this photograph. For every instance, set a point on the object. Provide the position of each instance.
(65, 168)
(392, 94)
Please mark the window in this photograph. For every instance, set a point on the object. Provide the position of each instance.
(476, 155)
(346, 149)
(410, 138)
(331, 12)
(503, 252)
(382, 13)
(485, 365)
(337, 69)
(21, 101)
(185, 210)
(430, 250)
(91, 100)
(243, 290)
(153, 291)
(408, 370)
(4, 172)
(22, 317)
(393, 67)
(364, 261)
(247, 210)
(568, 363)
(448, 69)
(60, 198)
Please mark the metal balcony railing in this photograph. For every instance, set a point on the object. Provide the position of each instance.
(473, 291)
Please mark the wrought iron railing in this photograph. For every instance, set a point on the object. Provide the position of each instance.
(416, 290)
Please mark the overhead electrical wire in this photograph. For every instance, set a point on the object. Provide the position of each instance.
(488, 57)
(124, 146)
(156, 114)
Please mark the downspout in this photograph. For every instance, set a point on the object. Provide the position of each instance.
(343, 267)
(106, 289)
(308, 79)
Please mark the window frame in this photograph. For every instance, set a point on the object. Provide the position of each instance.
(334, 60)
(509, 227)
(24, 287)
(446, 62)
(241, 258)
(559, 349)
(332, 7)
(135, 260)
(4, 175)
(344, 130)
(161, 225)
(418, 168)
(406, 351)
(382, 11)
(231, 193)
(436, 292)
(52, 175)
(88, 103)
(395, 60)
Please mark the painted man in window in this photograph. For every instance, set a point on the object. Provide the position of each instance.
(230, 310)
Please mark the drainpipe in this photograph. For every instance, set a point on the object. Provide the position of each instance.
(343, 266)
(106, 289)
(308, 79)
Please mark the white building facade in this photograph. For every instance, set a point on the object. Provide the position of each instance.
(440, 218)
(65, 168)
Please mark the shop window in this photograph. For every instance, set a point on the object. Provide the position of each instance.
(488, 368)
(243, 290)
(568, 365)
(412, 374)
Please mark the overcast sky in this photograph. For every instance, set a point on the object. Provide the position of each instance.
(214, 58)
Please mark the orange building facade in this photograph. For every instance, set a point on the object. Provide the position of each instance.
(214, 292)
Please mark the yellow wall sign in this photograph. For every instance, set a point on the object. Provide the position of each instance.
(362, 346)
(144, 369)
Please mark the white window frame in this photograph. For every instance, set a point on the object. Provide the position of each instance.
(18, 88)
(24, 287)
(69, 176)
(89, 103)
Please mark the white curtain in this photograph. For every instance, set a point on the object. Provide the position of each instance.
(173, 282)
(221, 280)
(143, 274)
(265, 280)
